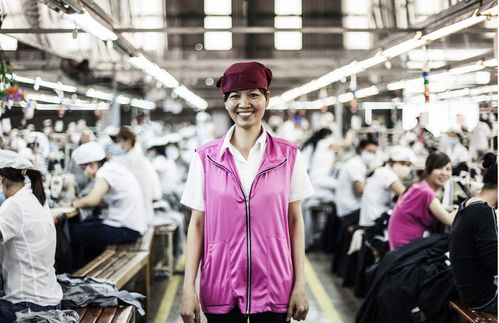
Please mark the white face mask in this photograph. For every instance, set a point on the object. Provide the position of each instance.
(115, 149)
(172, 153)
(453, 141)
(402, 171)
(368, 157)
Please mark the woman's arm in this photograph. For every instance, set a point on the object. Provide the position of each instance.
(101, 187)
(439, 211)
(189, 309)
(397, 187)
(298, 304)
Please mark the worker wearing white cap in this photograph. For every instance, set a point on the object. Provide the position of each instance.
(384, 183)
(124, 221)
(28, 241)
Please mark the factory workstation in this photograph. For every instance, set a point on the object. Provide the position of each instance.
(236, 161)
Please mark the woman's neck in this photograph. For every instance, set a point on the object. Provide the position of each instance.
(244, 139)
(12, 189)
(489, 196)
(433, 186)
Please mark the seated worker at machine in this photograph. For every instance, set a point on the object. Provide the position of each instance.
(123, 221)
(28, 241)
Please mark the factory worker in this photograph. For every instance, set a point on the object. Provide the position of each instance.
(115, 186)
(384, 183)
(28, 241)
(246, 228)
(135, 161)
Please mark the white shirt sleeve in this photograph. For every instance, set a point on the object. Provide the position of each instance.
(11, 219)
(301, 187)
(193, 195)
(356, 171)
(388, 176)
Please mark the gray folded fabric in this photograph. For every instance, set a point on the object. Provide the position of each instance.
(51, 316)
(85, 291)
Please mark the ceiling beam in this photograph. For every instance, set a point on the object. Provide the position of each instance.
(235, 30)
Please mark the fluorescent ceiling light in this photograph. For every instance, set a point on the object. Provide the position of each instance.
(40, 82)
(7, 42)
(191, 98)
(368, 91)
(86, 22)
(466, 69)
(218, 40)
(55, 86)
(448, 54)
(287, 22)
(418, 65)
(288, 40)
(23, 79)
(44, 98)
(121, 99)
(218, 22)
(373, 61)
(447, 30)
(99, 95)
(142, 104)
(154, 70)
(218, 7)
(345, 97)
(403, 47)
(484, 89)
(287, 7)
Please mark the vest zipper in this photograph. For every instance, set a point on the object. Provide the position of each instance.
(248, 226)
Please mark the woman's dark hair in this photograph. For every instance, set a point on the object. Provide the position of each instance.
(316, 137)
(364, 143)
(436, 160)
(160, 150)
(490, 176)
(36, 178)
(226, 95)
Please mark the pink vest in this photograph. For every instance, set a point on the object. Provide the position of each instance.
(247, 253)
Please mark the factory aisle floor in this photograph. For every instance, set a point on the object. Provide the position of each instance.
(329, 302)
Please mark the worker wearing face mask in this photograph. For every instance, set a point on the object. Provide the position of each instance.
(143, 170)
(457, 152)
(351, 179)
(384, 183)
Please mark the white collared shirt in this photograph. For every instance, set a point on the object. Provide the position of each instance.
(247, 169)
(28, 245)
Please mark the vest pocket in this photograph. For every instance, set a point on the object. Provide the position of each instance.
(280, 270)
(215, 287)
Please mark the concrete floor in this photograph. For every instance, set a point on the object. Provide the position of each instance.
(333, 304)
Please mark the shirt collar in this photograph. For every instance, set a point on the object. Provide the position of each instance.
(260, 142)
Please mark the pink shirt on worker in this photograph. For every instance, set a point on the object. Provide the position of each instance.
(411, 216)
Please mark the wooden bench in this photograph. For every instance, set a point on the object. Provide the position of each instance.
(120, 263)
(144, 243)
(471, 315)
(119, 314)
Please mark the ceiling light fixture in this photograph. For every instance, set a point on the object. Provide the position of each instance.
(160, 74)
(86, 22)
(190, 97)
(143, 104)
(355, 67)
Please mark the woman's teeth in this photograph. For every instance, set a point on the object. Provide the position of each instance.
(245, 114)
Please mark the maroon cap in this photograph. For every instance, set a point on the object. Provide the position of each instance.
(245, 76)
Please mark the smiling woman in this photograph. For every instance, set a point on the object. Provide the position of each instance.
(245, 191)
(419, 208)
